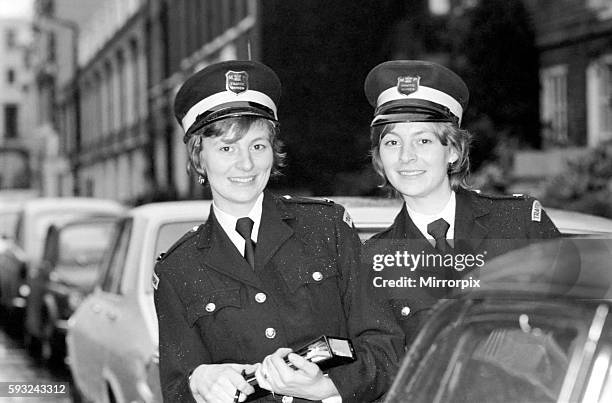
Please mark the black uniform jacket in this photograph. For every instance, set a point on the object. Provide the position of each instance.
(485, 226)
(213, 308)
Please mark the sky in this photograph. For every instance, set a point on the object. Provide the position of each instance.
(15, 8)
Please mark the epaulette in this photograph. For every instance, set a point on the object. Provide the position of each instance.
(514, 196)
(178, 243)
(306, 200)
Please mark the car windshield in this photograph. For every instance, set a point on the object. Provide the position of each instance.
(498, 354)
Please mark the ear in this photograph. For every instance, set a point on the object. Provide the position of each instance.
(453, 156)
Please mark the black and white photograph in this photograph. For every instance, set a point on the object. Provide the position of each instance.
(367, 201)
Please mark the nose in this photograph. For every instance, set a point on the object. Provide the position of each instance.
(407, 153)
(245, 160)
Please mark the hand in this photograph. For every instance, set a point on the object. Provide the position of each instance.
(306, 381)
(217, 383)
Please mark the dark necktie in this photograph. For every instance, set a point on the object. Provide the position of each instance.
(438, 229)
(244, 226)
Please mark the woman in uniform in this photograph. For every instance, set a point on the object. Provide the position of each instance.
(419, 149)
(264, 274)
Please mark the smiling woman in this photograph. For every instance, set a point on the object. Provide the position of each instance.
(419, 149)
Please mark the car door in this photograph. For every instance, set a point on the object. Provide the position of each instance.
(91, 326)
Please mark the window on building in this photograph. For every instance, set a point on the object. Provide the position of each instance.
(554, 105)
(10, 120)
(10, 76)
(11, 39)
(51, 47)
(599, 100)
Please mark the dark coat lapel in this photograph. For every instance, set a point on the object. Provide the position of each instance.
(409, 231)
(470, 218)
(220, 254)
(273, 230)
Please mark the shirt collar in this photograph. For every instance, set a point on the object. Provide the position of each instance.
(447, 213)
(228, 222)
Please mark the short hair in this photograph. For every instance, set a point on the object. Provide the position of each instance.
(448, 134)
(237, 127)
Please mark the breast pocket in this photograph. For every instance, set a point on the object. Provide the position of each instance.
(214, 304)
(311, 271)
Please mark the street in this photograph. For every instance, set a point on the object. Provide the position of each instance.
(17, 366)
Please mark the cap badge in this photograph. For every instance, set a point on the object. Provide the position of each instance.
(407, 84)
(236, 81)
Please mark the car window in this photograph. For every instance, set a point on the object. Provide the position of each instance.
(82, 246)
(169, 233)
(511, 357)
(115, 259)
(8, 224)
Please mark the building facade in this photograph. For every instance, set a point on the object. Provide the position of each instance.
(15, 103)
(106, 132)
(575, 48)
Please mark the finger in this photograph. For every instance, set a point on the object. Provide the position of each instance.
(223, 391)
(262, 379)
(303, 364)
(282, 352)
(237, 381)
(272, 374)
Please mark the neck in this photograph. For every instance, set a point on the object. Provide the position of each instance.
(430, 204)
(237, 210)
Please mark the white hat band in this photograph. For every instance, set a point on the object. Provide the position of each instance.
(425, 93)
(225, 97)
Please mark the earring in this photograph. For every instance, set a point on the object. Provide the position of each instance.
(201, 179)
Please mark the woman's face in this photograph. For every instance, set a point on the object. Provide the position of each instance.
(238, 171)
(415, 161)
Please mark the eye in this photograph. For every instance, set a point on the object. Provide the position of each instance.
(225, 149)
(259, 146)
(390, 143)
(425, 141)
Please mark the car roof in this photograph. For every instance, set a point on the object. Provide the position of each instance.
(573, 222)
(171, 211)
(55, 203)
(578, 268)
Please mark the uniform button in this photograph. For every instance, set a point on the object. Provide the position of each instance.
(317, 276)
(260, 297)
(287, 399)
(270, 333)
(405, 311)
(210, 307)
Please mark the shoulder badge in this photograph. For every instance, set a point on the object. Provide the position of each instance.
(155, 281)
(536, 211)
(347, 218)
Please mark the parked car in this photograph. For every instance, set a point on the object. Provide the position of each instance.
(25, 250)
(69, 267)
(112, 336)
(538, 329)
